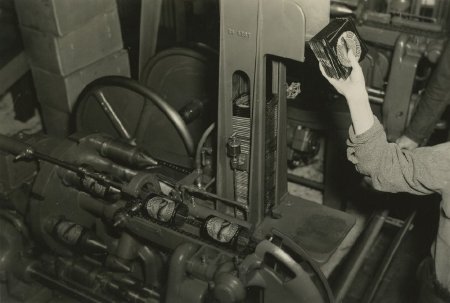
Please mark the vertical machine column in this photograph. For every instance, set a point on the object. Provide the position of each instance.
(256, 36)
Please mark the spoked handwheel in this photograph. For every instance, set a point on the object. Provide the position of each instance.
(276, 271)
(124, 108)
(176, 83)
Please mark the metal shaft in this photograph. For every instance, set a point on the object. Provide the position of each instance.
(25, 151)
(387, 260)
(357, 258)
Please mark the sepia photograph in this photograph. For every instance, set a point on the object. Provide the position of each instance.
(225, 151)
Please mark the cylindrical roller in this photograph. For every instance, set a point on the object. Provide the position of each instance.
(122, 152)
(226, 232)
(89, 185)
(75, 235)
(165, 210)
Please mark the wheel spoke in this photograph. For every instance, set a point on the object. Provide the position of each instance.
(107, 108)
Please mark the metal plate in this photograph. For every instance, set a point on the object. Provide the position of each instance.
(179, 75)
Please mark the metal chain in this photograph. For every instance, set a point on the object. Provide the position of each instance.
(174, 167)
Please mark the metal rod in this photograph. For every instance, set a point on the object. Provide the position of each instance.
(303, 181)
(375, 95)
(387, 260)
(24, 150)
(375, 91)
(43, 278)
(356, 260)
(201, 143)
(376, 100)
(211, 182)
(77, 169)
(192, 189)
(107, 108)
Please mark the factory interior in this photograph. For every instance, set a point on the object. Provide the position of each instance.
(191, 151)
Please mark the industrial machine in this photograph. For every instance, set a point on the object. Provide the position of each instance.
(174, 188)
(148, 212)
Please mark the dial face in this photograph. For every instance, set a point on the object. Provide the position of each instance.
(348, 40)
(161, 209)
(221, 230)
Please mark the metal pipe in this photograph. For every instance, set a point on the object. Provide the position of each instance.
(153, 265)
(376, 91)
(356, 260)
(376, 100)
(375, 95)
(53, 283)
(306, 182)
(177, 270)
(106, 165)
(387, 260)
(26, 151)
(200, 145)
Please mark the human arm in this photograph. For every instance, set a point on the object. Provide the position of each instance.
(422, 171)
(354, 90)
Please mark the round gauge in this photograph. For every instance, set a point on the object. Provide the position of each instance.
(348, 40)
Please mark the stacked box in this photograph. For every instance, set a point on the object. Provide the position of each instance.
(61, 92)
(56, 123)
(60, 17)
(99, 37)
(69, 44)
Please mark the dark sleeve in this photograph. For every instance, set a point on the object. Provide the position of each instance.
(422, 171)
(434, 101)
